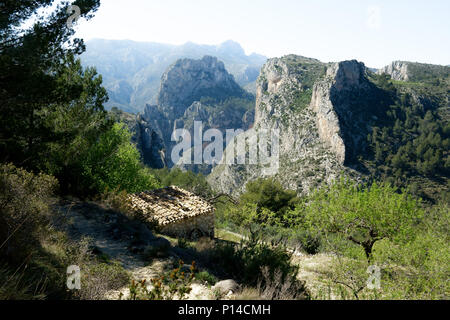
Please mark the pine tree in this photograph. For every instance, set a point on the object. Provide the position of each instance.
(29, 59)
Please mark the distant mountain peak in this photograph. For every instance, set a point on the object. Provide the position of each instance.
(231, 46)
(132, 70)
(189, 80)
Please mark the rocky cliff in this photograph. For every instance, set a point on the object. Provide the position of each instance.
(311, 104)
(398, 70)
(187, 81)
(415, 72)
(332, 119)
(191, 90)
(342, 119)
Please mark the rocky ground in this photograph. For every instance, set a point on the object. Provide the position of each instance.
(123, 240)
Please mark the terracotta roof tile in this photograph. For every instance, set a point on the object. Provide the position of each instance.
(169, 205)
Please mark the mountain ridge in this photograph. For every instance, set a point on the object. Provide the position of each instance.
(329, 115)
(132, 70)
(191, 90)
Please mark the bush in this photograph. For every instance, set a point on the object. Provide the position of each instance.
(310, 242)
(117, 200)
(25, 200)
(99, 278)
(269, 194)
(160, 249)
(206, 277)
(265, 208)
(253, 262)
(190, 181)
(182, 243)
(276, 287)
(113, 163)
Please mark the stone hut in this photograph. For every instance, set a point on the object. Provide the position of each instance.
(178, 213)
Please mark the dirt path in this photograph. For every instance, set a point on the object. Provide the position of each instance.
(123, 240)
(119, 239)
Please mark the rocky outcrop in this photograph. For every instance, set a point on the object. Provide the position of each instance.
(225, 286)
(150, 135)
(310, 103)
(340, 78)
(398, 70)
(191, 90)
(189, 80)
(416, 72)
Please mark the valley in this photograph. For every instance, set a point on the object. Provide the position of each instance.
(146, 170)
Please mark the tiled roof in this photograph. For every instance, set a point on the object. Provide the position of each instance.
(169, 205)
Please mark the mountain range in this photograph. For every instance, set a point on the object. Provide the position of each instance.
(132, 70)
(343, 120)
(335, 120)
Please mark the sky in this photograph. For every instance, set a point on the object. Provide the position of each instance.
(375, 32)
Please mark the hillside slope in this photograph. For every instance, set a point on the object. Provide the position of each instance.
(336, 119)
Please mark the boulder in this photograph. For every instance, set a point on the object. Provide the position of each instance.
(225, 286)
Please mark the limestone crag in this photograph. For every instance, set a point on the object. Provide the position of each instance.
(189, 80)
(297, 96)
(398, 70)
(191, 90)
(341, 78)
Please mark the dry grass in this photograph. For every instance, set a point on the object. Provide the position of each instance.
(248, 293)
(226, 235)
(275, 287)
(314, 270)
(99, 279)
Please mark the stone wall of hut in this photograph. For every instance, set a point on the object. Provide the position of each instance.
(187, 228)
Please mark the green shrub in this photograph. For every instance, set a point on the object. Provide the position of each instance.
(99, 278)
(114, 163)
(244, 261)
(205, 276)
(256, 264)
(362, 214)
(190, 181)
(158, 250)
(182, 243)
(310, 242)
(275, 286)
(270, 195)
(25, 200)
(263, 205)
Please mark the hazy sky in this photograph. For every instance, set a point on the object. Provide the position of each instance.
(375, 32)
